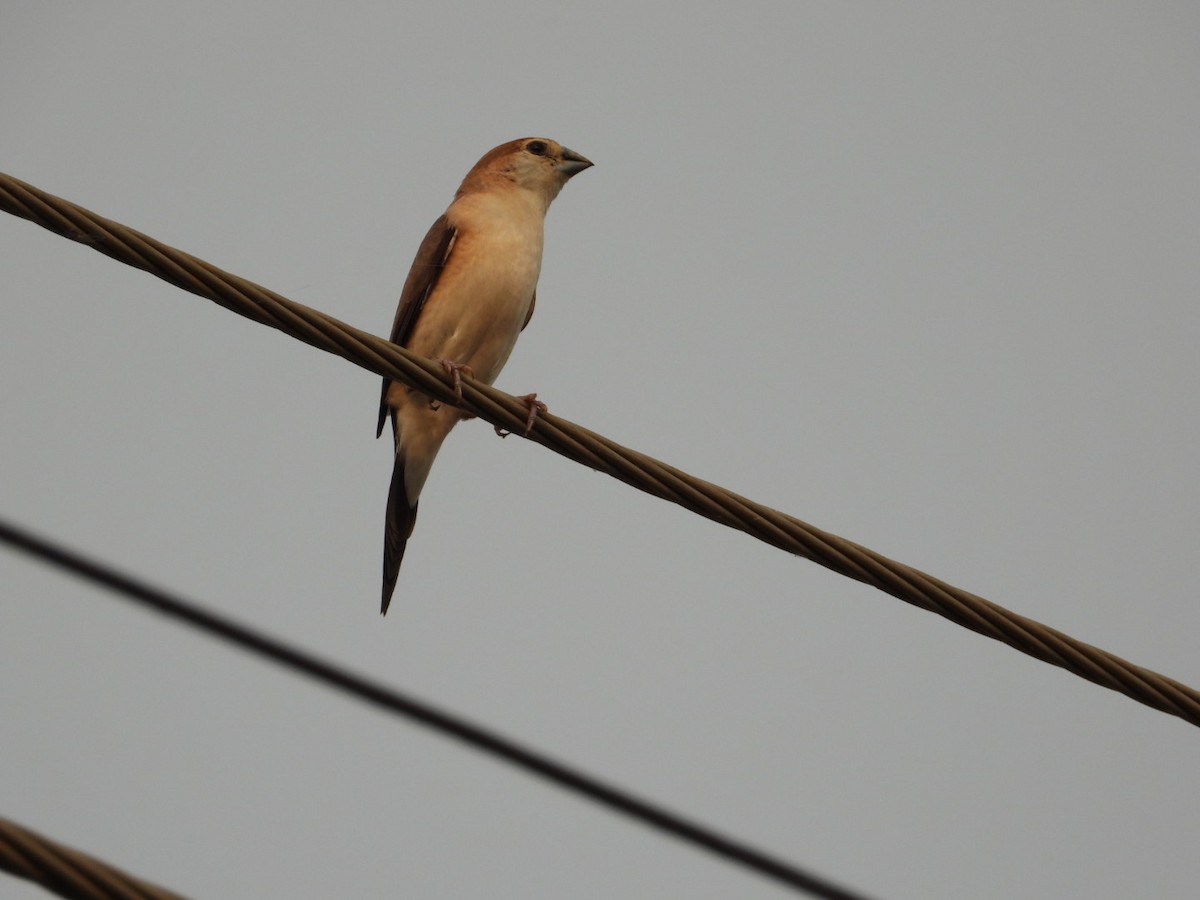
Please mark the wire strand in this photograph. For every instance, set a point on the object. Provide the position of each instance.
(533, 762)
(69, 872)
(577, 443)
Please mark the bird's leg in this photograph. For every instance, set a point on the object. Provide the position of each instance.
(536, 408)
(455, 370)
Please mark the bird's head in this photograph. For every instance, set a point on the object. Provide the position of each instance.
(534, 164)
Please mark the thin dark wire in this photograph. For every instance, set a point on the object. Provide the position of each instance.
(379, 695)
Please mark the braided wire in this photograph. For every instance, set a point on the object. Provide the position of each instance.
(68, 872)
(600, 453)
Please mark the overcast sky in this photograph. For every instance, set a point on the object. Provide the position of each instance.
(922, 274)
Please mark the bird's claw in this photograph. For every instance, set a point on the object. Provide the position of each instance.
(536, 408)
(455, 371)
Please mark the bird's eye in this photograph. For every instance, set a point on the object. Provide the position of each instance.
(537, 148)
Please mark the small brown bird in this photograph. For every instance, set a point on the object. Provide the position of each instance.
(468, 296)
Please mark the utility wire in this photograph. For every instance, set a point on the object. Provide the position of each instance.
(68, 872)
(372, 692)
(577, 443)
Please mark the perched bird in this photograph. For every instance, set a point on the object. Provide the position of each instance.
(470, 292)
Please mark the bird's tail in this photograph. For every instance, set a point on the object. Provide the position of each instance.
(401, 517)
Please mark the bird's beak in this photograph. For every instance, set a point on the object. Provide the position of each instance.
(572, 163)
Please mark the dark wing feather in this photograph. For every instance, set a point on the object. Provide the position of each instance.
(422, 278)
(398, 529)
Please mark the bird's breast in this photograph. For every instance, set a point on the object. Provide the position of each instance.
(482, 297)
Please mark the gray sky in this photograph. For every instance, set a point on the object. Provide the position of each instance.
(922, 274)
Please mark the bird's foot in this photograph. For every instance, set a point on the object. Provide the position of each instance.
(536, 408)
(455, 371)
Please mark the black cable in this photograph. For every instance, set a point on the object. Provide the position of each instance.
(379, 695)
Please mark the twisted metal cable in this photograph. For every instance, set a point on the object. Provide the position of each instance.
(67, 872)
(581, 445)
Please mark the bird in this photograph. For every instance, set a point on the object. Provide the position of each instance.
(469, 294)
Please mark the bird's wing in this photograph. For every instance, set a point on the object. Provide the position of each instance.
(422, 278)
(532, 304)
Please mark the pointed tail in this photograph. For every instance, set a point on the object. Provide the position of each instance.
(401, 517)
